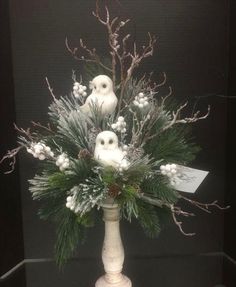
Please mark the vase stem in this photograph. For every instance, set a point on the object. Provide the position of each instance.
(113, 251)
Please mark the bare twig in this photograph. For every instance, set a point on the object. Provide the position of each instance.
(11, 155)
(175, 210)
(127, 60)
(92, 55)
(46, 128)
(154, 116)
(113, 27)
(194, 118)
(153, 201)
(136, 59)
(175, 115)
(179, 223)
(50, 89)
(166, 96)
(177, 120)
(204, 206)
(26, 132)
(163, 81)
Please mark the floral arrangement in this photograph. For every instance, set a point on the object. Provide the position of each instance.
(122, 142)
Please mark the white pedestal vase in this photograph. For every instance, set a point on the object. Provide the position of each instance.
(112, 251)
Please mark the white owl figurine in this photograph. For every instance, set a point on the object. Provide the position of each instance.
(107, 151)
(102, 95)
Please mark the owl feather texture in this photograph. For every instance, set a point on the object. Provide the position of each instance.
(102, 96)
(107, 151)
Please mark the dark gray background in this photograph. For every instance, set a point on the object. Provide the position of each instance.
(193, 43)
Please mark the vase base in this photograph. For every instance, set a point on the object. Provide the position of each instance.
(102, 282)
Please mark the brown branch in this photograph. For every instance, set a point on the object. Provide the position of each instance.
(113, 27)
(97, 15)
(91, 53)
(136, 58)
(163, 81)
(195, 117)
(11, 155)
(154, 117)
(135, 131)
(179, 223)
(26, 132)
(175, 210)
(166, 96)
(93, 57)
(46, 128)
(204, 206)
(175, 115)
(50, 89)
(156, 202)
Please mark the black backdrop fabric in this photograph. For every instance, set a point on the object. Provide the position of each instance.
(11, 234)
(192, 49)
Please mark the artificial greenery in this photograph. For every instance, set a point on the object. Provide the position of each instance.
(71, 184)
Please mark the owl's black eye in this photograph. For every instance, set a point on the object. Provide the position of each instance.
(102, 142)
(110, 141)
(94, 87)
(104, 86)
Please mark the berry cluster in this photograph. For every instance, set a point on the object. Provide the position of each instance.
(120, 125)
(171, 170)
(79, 90)
(123, 165)
(141, 101)
(70, 202)
(125, 149)
(40, 150)
(62, 162)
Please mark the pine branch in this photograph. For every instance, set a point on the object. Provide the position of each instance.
(148, 219)
(75, 129)
(157, 187)
(177, 120)
(174, 145)
(69, 234)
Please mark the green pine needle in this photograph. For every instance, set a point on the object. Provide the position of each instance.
(173, 146)
(69, 234)
(148, 219)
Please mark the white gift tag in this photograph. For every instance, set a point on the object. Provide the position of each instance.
(189, 179)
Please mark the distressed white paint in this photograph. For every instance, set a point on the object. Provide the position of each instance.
(113, 251)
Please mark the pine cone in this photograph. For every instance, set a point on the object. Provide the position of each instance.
(84, 154)
(114, 190)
